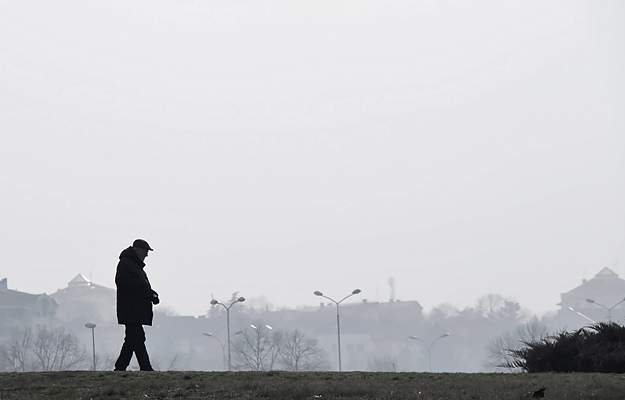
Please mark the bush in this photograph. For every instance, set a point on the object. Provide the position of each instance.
(596, 348)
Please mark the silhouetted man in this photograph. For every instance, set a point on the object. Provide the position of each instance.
(134, 304)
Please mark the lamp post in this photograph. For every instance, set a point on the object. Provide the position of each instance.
(591, 301)
(582, 315)
(215, 302)
(223, 345)
(92, 327)
(223, 348)
(429, 347)
(338, 321)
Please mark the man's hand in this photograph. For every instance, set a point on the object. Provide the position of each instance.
(155, 299)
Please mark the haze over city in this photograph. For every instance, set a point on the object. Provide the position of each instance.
(434, 151)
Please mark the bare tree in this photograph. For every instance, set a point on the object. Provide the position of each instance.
(262, 349)
(105, 362)
(56, 350)
(497, 351)
(505, 312)
(499, 355)
(256, 349)
(15, 352)
(301, 353)
(490, 303)
(532, 330)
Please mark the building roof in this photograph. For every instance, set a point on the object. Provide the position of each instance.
(24, 307)
(10, 298)
(79, 280)
(81, 286)
(605, 286)
(81, 289)
(85, 299)
(607, 272)
(13, 298)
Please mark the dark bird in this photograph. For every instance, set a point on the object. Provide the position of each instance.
(540, 393)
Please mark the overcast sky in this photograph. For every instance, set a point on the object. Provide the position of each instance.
(274, 148)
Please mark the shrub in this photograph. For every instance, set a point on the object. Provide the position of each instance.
(596, 348)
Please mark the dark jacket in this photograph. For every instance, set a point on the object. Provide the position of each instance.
(134, 293)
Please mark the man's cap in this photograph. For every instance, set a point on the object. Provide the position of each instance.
(141, 244)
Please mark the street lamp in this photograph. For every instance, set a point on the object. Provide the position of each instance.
(223, 348)
(338, 322)
(223, 345)
(215, 302)
(92, 327)
(429, 347)
(582, 315)
(591, 301)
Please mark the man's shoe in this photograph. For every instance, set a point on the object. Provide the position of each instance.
(147, 369)
(116, 369)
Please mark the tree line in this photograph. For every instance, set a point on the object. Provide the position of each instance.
(43, 349)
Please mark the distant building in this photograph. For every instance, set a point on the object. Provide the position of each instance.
(606, 290)
(85, 301)
(19, 309)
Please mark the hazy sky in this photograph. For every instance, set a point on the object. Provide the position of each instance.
(276, 148)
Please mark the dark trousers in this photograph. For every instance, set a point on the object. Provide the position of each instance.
(134, 342)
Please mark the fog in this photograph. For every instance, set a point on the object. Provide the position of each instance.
(430, 151)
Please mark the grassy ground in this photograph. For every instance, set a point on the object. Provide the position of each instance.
(305, 385)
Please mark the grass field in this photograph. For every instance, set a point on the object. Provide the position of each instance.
(305, 385)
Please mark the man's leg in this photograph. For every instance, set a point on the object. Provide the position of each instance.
(138, 345)
(126, 352)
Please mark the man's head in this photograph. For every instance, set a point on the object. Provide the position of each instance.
(141, 247)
